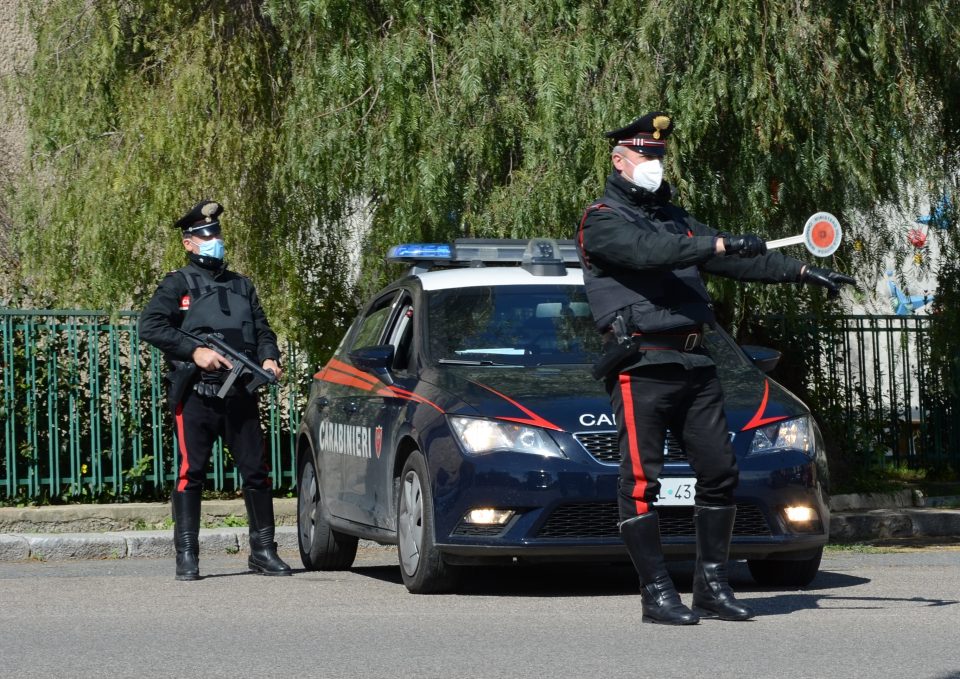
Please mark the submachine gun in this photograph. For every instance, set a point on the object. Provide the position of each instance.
(251, 375)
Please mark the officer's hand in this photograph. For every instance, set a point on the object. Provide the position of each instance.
(209, 360)
(273, 367)
(831, 280)
(747, 245)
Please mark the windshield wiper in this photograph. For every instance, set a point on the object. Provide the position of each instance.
(463, 361)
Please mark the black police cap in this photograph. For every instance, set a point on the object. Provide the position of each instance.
(647, 134)
(201, 220)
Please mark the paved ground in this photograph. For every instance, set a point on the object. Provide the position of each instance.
(866, 615)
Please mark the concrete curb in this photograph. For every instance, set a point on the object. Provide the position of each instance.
(105, 531)
(129, 544)
(127, 517)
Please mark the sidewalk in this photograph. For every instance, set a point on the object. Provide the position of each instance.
(143, 529)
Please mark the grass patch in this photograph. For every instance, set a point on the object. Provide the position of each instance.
(230, 521)
(857, 548)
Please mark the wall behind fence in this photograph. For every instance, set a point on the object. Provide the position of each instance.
(84, 413)
(881, 397)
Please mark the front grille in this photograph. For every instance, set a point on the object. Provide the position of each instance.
(599, 520)
(602, 445)
(470, 530)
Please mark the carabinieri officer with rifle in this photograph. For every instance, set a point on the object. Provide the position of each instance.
(190, 303)
(642, 257)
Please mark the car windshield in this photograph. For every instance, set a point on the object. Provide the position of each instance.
(521, 325)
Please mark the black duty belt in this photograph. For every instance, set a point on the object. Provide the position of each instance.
(681, 339)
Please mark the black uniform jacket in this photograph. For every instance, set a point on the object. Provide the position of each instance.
(165, 312)
(667, 244)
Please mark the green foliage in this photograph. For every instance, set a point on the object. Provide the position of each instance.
(333, 128)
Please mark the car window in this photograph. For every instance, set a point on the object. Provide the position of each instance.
(514, 325)
(371, 327)
(401, 335)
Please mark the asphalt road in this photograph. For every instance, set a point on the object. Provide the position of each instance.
(866, 615)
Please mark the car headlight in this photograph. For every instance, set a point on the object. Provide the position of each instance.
(479, 436)
(795, 433)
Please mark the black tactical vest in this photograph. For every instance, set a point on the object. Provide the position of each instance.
(221, 306)
(650, 301)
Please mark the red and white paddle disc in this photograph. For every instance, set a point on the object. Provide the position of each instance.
(821, 235)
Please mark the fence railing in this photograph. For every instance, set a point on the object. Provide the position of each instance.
(83, 410)
(875, 385)
(84, 414)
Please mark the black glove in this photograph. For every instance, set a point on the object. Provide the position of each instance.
(747, 245)
(831, 280)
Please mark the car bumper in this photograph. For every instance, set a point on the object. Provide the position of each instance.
(567, 509)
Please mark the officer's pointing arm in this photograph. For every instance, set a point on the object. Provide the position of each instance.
(769, 266)
(615, 242)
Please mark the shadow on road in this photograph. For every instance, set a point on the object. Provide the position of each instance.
(784, 604)
(575, 579)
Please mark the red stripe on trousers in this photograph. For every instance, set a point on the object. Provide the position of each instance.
(184, 462)
(639, 480)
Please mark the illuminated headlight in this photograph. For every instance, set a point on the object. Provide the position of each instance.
(799, 514)
(479, 436)
(779, 436)
(488, 517)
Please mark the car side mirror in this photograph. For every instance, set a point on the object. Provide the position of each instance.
(374, 359)
(764, 358)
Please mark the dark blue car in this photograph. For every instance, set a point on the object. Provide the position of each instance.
(458, 420)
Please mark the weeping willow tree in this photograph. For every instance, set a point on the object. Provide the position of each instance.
(333, 128)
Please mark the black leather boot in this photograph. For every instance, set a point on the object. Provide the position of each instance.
(186, 533)
(659, 598)
(712, 595)
(263, 550)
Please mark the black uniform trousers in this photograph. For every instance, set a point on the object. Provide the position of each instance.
(201, 419)
(649, 399)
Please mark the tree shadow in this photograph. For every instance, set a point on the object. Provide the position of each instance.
(784, 604)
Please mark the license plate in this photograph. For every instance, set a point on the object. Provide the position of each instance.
(676, 492)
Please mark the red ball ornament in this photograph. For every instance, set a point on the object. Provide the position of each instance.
(917, 238)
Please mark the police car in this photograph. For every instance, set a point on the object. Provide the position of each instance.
(459, 421)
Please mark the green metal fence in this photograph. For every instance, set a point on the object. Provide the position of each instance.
(880, 393)
(84, 415)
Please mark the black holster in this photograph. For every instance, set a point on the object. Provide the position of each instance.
(618, 346)
(181, 379)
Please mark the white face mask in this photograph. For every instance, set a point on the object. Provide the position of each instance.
(647, 175)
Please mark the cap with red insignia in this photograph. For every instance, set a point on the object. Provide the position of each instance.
(647, 134)
(201, 220)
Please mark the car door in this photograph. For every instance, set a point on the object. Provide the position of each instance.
(348, 434)
(371, 477)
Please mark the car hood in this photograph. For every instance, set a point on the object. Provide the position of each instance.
(568, 398)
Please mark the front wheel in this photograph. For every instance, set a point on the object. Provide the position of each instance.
(421, 564)
(785, 573)
(321, 547)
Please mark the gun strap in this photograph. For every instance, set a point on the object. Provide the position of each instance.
(196, 287)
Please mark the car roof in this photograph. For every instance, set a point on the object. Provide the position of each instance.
(445, 279)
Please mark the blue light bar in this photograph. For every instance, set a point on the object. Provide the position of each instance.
(419, 252)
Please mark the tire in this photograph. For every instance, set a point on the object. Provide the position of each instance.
(321, 547)
(421, 564)
(785, 573)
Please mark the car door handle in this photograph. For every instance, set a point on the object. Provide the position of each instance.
(350, 407)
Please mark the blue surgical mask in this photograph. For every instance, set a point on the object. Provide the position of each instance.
(211, 248)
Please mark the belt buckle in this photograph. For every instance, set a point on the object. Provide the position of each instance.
(691, 342)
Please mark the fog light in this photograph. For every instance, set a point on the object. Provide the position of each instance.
(800, 514)
(488, 516)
